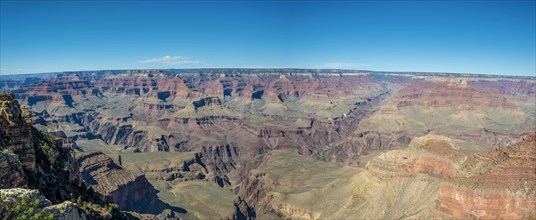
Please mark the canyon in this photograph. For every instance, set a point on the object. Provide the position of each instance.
(276, 143)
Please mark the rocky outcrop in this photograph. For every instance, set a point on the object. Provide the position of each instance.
(213, 88)
(66, 211)
(218, 161)
(497, 184)
(11, 171)
(15, 196)
(50, 170)
(113, 132)
(175, 86)
(506, 87)
(443, 94)
(432, 155)
(42, 158)
(255, 189)
(279, 90)
(131, 83)
(113, 182)
(353, 146)
(208, 101)
(61, 88)
(289, 212)
(247, 90)
(243, 210)
(466, 203)
(16, 124)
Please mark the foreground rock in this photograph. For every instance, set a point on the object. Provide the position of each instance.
(16, 124)
(11, 171)
(64, 211)
(44, 169)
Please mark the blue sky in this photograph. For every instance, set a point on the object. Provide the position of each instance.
(453, 36)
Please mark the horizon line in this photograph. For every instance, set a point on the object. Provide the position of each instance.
(275, 68)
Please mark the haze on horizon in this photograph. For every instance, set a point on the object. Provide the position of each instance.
(491, 37)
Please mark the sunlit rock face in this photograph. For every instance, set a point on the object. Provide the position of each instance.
(117, 185)
(16, 124)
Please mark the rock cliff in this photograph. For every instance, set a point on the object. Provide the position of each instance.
(117, 185)
(501, 184)
(35, 160)
(15, 122)
(11, 171)
(498, 184)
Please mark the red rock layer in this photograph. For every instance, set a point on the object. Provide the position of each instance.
(504, 187)
(466, 203)
(443, 95)
(527, 88)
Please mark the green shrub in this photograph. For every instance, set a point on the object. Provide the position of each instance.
(24, 209)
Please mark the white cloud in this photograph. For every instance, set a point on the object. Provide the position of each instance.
(173, 60)
(338, 65)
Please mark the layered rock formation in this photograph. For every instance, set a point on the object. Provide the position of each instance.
(16, 123)
(448, 94)
(35, 160)
(430, 178)
(498, 184)
(11, 171)
(113, 182)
